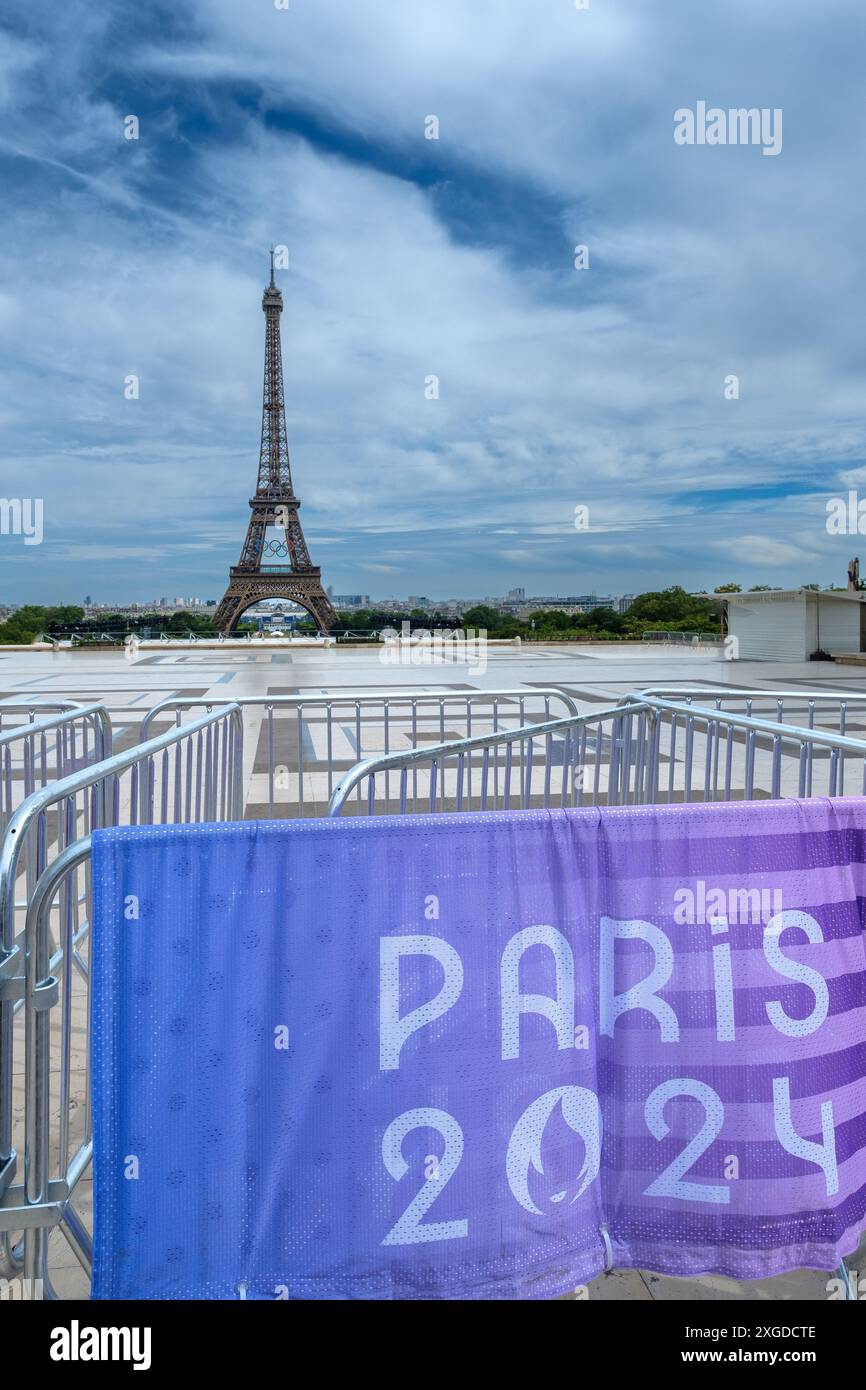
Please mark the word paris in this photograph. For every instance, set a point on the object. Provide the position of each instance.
(395, 1028)
(733, 127)
(580, 1106)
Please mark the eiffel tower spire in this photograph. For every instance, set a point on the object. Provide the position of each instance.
(278, 567)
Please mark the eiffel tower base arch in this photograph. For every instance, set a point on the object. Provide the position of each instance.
(245, 590)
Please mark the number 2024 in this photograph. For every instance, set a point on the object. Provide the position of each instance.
(581, 1111)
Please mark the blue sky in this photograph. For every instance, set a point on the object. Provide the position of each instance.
(412, 257)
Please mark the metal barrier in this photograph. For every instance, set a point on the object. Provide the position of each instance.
(578, 760)
(31, 708)
(644, 750)
(826, 709)
(317, 737)
(611, 757)
(689, 639)
(720, 755)
(190, 774)
(34, 752)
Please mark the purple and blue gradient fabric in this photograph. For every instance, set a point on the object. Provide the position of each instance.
(478, 1056)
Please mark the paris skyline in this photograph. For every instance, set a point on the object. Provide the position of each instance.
(432, 215)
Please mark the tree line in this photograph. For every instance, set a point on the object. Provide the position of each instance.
(673, 610)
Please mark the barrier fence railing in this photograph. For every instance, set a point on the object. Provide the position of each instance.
(811, 709)
(13, 713)
(306, 741)
(560, 762)
(189, 774)
(35, 752)
(686, 752)
(44, 1201)
(642, 751)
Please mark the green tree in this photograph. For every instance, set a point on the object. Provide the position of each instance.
(483, 616)
(29, 621)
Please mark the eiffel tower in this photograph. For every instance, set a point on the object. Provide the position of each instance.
(280, 567)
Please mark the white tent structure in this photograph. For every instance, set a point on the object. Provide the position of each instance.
(791, 624)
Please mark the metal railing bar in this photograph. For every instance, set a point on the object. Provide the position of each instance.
(414, 757)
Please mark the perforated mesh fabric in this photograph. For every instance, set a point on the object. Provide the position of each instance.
(418, 1057)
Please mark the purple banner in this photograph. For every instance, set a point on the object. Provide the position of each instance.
(478, 1056)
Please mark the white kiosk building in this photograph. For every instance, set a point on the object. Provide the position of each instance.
(791, 624)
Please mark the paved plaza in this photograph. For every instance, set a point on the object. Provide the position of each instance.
(595, 674)
(594, 677)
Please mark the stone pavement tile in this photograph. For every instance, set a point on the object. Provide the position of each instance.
(806, 1285)
(70, 1282)
(60, 1254)
(625, 1285)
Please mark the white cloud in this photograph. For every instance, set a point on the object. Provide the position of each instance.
(766, 550)
(556, 387)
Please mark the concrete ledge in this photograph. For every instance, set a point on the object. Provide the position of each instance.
(230, 644)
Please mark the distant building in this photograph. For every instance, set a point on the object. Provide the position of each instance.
(590, 601)
(575, 603)
(277, 620)
(792, 624)
(349, 600)
(624, 604)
